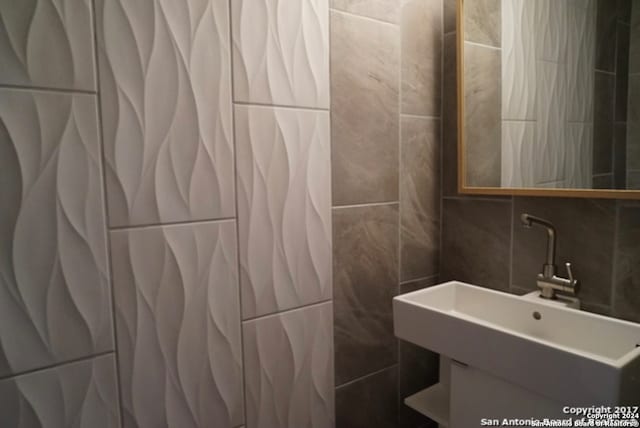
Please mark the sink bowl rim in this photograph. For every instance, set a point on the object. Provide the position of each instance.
(617, 362)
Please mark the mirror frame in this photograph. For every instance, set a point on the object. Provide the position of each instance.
(508, 191)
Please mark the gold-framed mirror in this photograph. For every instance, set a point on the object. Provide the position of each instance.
(549, 98)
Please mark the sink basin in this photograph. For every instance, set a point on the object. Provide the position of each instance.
(574, 357)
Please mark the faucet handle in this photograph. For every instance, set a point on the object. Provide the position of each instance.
(569, 271)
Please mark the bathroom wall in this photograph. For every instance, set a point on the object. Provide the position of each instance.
(611, 83)
(165, 231)
(194, 193)
(483, 242)
(385, 121)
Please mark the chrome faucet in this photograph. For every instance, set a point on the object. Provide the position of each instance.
(548, 282)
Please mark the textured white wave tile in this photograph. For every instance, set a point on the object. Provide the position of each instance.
(284, 208)
(518, 60)
(54, 288)
(551, 30)
(579, 157)
(178, 324)
(518, 150)
(78, 395)
(581, 57)
(289, 369)
(166, 105)
(47, 43)
(281, 52)
(550, 122)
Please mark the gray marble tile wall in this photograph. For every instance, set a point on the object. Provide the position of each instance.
(632, 140)
(166, 218)
(483, 242)
(386, 73)
(605, 93)
(611, 94)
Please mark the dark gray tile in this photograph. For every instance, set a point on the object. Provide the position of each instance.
(384, 10)
(364, 110)
(603, 181)
(418, 284)
(419, 197)
(627, 280)
(624, 11)
(449, 18)
(476, 241)
(418, 369)
(622, 72)
(634, 46)
(482, 22)
(585, 234)
(365, 246)
(421, 46)
(633, 124)
(596, 309)
(633, 180)
(449, 118)
(603, 123)
(620, 156)
(369, 402)
(633, 150)
(606, 35)
(482, 116)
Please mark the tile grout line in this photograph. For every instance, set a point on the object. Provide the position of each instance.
(58, 365)
(400, 198)
(275, 106)
(615, 108)
(68, 91)
(368, 18)
(243, 380)
(512, 243)
(363, 205)
(481, 45)
(419, 116)
(105, 208)
(615, 255)
(443, 125)
(441, 139)
(368, 375)
(473, 197)
(286, 311)
(333, 321)
(171, 223)
(422, 278)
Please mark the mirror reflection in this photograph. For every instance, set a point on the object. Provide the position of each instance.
(551, 94)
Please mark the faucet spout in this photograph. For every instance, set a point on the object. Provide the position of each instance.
(529, 220)
(548, 282)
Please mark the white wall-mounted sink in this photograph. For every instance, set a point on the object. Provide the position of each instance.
(566, 355)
